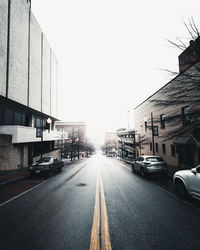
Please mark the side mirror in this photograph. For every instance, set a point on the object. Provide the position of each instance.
(194, 171)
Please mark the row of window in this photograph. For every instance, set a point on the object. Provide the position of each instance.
(12, 117)
(128, 136)
(173, 150)
(185, 118)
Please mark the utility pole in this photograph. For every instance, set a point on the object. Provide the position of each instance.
(72, 144)
(152, 127)
(128, 120)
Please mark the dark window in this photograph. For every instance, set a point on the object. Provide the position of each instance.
(155, 159)
(17, 118)
(163, 148)
(150, 146)
(172, 150)
(145, 125)
(1, 115)
(198, 155)
(37, 122)
(156, 147)
(162, 121)
(186, 115)
(23, 120)
(8, 117)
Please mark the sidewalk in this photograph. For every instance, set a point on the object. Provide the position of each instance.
(8, 176)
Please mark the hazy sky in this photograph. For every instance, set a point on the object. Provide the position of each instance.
(110, 53)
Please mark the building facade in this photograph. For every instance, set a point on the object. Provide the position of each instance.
(28, 87)
(170, 127)
(126, 142)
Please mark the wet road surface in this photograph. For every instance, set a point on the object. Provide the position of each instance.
(98, 204)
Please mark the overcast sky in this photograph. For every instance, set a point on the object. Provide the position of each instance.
(110, 54)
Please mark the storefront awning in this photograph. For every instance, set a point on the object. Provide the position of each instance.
(184, 140)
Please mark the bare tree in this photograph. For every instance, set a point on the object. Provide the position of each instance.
(184, 89)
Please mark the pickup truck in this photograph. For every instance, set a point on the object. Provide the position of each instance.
(46, 165)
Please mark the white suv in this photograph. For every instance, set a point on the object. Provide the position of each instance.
(187, 183)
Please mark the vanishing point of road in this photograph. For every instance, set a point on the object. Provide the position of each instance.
(98, 204)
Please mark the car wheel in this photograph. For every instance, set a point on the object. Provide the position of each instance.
(142, 172)
(51, 172)
(181, 190)
(133, 169)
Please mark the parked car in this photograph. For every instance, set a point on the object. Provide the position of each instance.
(150, 164)
(46, 165)
(187, 183)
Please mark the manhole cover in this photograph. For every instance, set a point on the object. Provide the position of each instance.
(81, 184)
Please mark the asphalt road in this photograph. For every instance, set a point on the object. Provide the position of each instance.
(99, 204)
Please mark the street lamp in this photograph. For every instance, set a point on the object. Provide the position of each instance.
(49, 121)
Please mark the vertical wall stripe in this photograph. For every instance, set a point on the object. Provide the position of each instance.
(8, 49)
(57, 79)
(41, 66)
(50, 78)
(29, 34)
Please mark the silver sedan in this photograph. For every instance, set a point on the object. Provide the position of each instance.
(150, 164)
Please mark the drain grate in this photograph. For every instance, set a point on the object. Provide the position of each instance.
(81, 184)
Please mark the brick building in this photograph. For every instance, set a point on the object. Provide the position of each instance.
(181, 151)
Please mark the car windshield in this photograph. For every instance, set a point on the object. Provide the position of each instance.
(44, 159)
(154, 159)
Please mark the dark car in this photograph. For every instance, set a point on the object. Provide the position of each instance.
(46, 165)
(150, 164)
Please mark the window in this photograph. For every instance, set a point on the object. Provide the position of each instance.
(186, 115)
(156, 147)
(37, 122)
(155, 159)
(162, 121)
(1, 115)
(150, 146)
(172, 150)
(163, 148)
(8, 117)
(17, 118)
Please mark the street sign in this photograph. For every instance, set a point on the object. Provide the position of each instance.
(155, 130)
(38, 132)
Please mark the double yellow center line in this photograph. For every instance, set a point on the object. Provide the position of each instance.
(100, 241)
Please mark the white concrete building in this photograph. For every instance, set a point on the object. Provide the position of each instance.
(28, 87)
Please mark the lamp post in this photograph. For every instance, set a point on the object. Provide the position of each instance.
(77, 141)
(48, 120)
